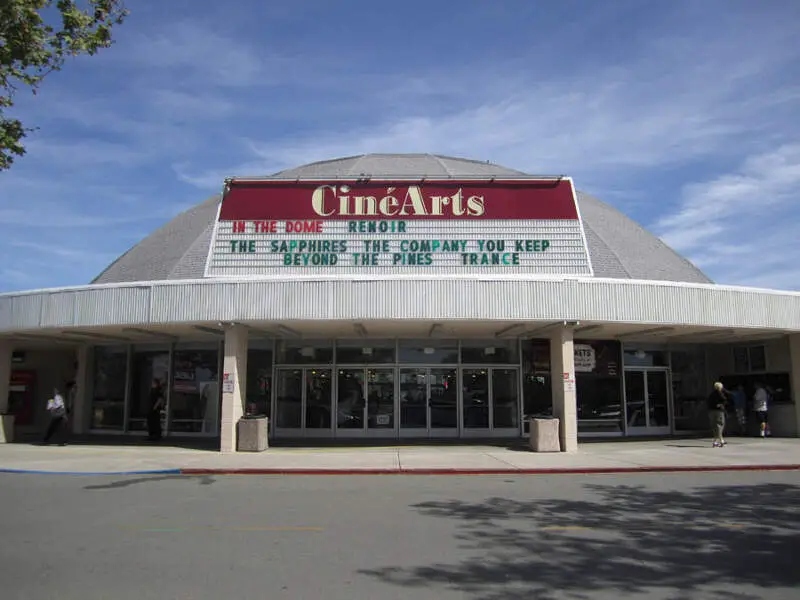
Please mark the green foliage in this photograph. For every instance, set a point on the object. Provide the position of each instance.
(36, 38)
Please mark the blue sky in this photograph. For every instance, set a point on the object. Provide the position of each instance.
(684, 115)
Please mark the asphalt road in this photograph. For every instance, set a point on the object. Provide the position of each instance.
(732, 536)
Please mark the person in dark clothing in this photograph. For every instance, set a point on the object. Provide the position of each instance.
(57, 409)
(154, 411)
(717, 405)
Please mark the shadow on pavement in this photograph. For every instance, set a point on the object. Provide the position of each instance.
(121, 441)
(622, 540)
(123, 483)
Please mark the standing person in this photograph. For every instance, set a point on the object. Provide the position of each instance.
(717, 401)
(57, 409)
(740, 406)
(761, 408)
(154, 412)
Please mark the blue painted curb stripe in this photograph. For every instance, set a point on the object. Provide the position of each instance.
(87, 473)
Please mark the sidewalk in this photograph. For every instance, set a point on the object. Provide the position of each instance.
(592, 457)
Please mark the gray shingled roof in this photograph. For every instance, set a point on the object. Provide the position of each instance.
(619, 247)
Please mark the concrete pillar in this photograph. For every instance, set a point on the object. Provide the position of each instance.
(82, 402)
(562, 376)
(234, 385)
(794, 377)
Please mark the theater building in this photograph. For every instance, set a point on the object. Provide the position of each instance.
(397, 297)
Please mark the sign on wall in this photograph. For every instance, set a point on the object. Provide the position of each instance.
(385, 227)
(585, 358)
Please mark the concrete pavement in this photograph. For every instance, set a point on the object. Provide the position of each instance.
(698, 536)
(608, 457)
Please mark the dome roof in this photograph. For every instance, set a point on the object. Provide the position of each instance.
(618, 247)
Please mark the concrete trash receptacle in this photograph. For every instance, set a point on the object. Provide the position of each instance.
(251, 434)
(544, 435)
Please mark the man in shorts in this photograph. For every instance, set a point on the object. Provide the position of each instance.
(761, 408)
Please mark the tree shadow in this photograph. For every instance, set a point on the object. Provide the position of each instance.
(123, 483)
(619, 540)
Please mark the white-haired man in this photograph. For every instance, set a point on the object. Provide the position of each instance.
(717, 405)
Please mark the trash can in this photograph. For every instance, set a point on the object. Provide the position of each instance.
(251, 434)
(544, 435)
(6, 428)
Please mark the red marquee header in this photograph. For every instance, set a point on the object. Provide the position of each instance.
(344, 200)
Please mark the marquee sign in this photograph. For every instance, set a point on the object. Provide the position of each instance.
(300, 228)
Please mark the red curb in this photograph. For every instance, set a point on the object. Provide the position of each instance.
(575, 471)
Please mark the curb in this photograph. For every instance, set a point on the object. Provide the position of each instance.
(93, 473)
(454, 471)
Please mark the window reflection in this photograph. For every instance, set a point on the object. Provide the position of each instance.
(259, 381)
(148, 365)
(304, 352)
(195, 398)
(432, 352)
(476, 398)
(505, 398)
(318, 398)
(365, 352)
(350, 410)
(289, 399)
(504, 352)
(108, 395)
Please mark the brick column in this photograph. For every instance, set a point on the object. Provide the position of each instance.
(562, 376)
(794, 377)
(235, 369)
(6, 422)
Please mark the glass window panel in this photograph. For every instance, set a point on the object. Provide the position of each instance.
(432, 352)
(304, 352)
(490, 352)
(634, 399)
(599, 399)
(505, 398)
(289, 392)
(443, 399)
(537, 397)
(195, 400)
(635, 357)
(351, 399)
(365, 352)
(758, 358)
(689, 389)
(380, 398)
(108, 390)
(414, 398)
(319, 390)
(536, 357)
(259, 381)
(149, 368)
(657, 399)
(475, 390)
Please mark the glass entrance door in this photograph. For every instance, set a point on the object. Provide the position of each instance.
(303, 402)
(491, 401)
(647, 402)
(365, 403)
(429, 402)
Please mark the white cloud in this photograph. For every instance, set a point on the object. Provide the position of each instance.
(62, 253)
(181, 105)
(590, 125)
(188, 51)
(742, 227)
